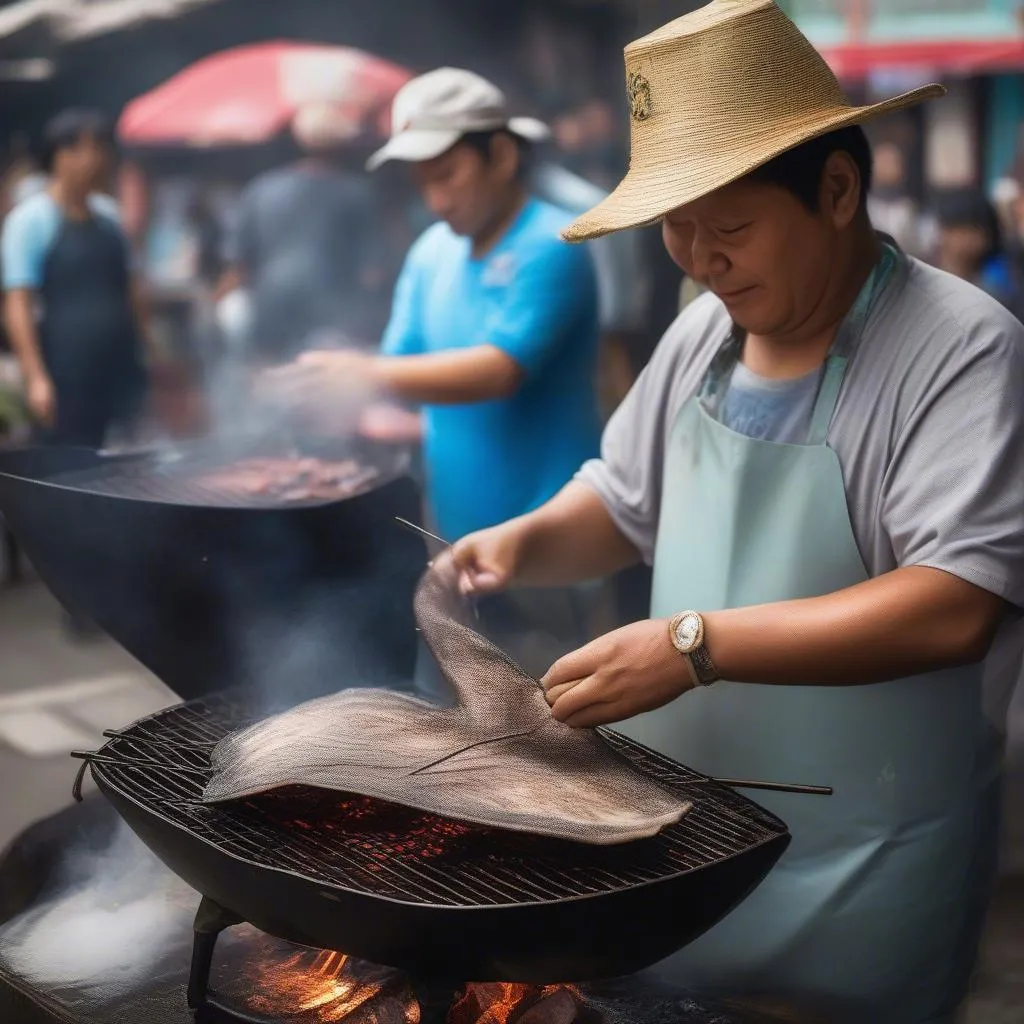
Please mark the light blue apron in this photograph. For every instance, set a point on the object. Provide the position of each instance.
(877, 905)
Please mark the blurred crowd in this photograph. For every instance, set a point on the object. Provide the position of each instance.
(296, 236)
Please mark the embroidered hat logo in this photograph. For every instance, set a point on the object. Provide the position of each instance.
(639, 91)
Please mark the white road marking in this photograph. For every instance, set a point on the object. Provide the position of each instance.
(67, 692)
(49, 721)
(39, 733)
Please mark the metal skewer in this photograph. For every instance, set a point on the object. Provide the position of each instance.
(776, 787)
(421, 531)
(443, 543)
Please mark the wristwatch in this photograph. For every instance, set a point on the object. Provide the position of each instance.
(686, 631)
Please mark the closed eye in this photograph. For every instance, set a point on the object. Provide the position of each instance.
(732, 231)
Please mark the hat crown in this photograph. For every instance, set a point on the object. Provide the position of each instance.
(447, 98)
(733, 70)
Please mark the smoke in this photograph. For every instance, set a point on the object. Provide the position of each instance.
(117, 910)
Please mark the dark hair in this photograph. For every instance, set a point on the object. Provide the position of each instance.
(799, 170)
(971, 208)
(68, 128)
(481, 142)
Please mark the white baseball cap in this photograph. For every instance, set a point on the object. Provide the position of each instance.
(431, 113)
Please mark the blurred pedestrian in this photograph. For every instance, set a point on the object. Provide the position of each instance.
(970, 245)
(890, 206)
(304, 243)
(623, 282)
(73, 309)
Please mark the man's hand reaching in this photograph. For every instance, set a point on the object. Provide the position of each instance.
(41, 397)
(489, 561)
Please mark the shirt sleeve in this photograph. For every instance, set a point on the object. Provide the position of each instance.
(552, 292)
(26, 238)
(953, 497)
(403, 335)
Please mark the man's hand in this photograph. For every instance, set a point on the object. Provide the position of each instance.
(321, 374)
(489, 561)
(619, 675)
(328, 389)
(391, 424)
(41, 397)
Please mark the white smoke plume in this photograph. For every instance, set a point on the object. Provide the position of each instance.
(118, 910)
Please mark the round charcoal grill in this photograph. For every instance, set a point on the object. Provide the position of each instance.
(431, 896)
(184, 577)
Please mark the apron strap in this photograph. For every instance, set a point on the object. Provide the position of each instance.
(848, 338)
(828, 398)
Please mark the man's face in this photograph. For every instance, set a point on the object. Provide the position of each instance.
(464, 188)
(759, 249)
(86, 164)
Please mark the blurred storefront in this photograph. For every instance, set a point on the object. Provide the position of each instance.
(975, 47)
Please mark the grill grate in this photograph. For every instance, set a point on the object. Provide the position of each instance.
(163, 762)
(173, 482)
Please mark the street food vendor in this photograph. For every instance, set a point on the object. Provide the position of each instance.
(73, 310)
(825, 464)
(494, 325)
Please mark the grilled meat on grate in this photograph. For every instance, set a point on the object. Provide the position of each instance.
(298, 479)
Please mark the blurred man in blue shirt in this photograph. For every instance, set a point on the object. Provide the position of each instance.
(494, 327)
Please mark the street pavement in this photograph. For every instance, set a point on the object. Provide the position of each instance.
(57, 695)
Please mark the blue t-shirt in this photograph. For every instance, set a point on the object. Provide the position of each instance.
(30, 231)
(534, 297)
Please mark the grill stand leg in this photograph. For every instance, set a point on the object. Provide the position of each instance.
(211, 920)
(435, 999)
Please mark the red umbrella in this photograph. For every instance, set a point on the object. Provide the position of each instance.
(249, 94)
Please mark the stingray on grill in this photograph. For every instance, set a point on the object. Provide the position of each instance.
(498, 758)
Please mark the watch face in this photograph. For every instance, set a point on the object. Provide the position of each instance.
(688, 632)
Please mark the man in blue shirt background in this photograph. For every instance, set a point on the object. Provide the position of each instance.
(494, 326)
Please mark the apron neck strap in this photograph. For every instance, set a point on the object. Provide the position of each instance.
(847, 339)
(828, 398)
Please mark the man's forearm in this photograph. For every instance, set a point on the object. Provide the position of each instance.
(572, 539)
(904, 623)
(455, 377)
(19, 322)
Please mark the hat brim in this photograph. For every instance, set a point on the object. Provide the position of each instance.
(650, 191)
(418, 144)
(414, 146)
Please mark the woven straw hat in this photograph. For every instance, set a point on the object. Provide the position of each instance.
(713, 96)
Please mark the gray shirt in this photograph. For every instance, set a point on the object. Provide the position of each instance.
(304, 235)
(929, 431)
